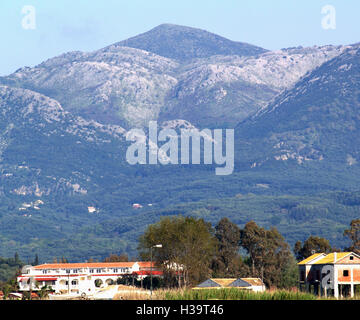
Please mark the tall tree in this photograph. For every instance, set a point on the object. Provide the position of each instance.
(188, 246)
(252, 238)
(354, 235)
(269, 254)
(227, 261)
(16, 258)
(36, 261)
(311, 245)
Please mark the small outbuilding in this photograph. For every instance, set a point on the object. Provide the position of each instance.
(254, 284)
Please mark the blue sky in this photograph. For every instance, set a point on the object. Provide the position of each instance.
(88, 25)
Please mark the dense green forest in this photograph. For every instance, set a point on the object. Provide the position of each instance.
(299, 202)
(47, 232)
(9, 267)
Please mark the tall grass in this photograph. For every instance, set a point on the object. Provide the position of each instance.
(232, 294)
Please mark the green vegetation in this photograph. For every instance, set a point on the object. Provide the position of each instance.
(354, 234)
(233, 294)
(69, 164)
(192, 251)
(117, 227)
(9, 267)
(188, 246)
(312, 244)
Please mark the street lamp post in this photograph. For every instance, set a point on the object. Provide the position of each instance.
(151, 283)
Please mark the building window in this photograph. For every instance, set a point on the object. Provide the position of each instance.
(67, 270)
(346, 273)
(74, 282)
(75, 271)
(91, 270)
(115, 270)
(44, 271)
(98, 270)
(351, 257)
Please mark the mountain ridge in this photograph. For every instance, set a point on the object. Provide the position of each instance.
(185, 43)
(129, 86)
(316, 118)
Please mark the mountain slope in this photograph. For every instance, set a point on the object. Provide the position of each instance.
(37, 135)
(319, 119)
(223, 91)
(123, 86)
(184, 43)
(130, 87)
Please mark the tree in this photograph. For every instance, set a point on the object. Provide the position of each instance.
(36, 261)
(278, 261)
(227, 261)
(9, 286)
(16, 258)
(311, 245)
(297, 250)
(354, 235)
(188, 247)
(44, 292)
(251, 239)
(117, 258)
(64, 260)
(269, 254)
(61, 260)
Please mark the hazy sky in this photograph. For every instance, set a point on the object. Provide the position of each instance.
(86, 25)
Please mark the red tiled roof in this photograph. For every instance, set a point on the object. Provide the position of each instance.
(146, 264)
(85, 265)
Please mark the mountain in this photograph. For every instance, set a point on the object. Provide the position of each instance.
(48, 156)
(120, 85)
(224, 90)
(55, 165)
(185, 43)
(63, 127)
(45, 150)
(317, 120)
(129, 86)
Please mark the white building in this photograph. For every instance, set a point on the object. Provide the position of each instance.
(91, 209)
(81, 278)
(335, 274)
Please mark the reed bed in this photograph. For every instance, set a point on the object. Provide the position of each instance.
(231, 294)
